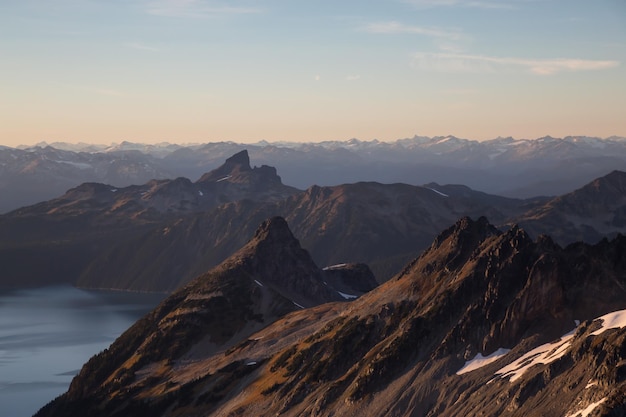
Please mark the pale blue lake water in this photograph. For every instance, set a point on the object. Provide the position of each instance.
(47, 334)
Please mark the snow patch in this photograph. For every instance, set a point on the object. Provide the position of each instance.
(298, 305)
(200, 193)
(616, 319)
(438, 192)
(224, 179)
(591, 384)
(251, 363)
(258, 283)
(479, 361)
(113, 190)
(543, 354)
(79, 165)
(328, 268)
(347, 296)
(588, 410)
(550, 352)
(496, 154)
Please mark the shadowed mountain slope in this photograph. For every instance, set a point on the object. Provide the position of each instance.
(267, 278)
(414, 346)
(383, 225)
(158, 236)
(513, 167)
(589, 213)
(61, 240)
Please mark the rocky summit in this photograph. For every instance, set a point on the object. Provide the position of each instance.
(483, 322)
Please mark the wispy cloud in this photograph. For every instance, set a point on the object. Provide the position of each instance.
(448, 62)
(478, 4)
(140, 46)
(393, 27)
(196, 8)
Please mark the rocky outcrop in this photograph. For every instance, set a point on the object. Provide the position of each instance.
(237, 173)
(266, 279)
(236, 164)
(480, 324)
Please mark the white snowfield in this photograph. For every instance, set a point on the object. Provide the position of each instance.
(543, 354)
(347, 296)
(337, 266)
(438, 192)
(614, 320)
(587, 410)
(79, 165)
(479, 361)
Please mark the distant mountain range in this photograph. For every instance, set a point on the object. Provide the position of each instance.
(160, 235)
(503, 166)
(483, 322)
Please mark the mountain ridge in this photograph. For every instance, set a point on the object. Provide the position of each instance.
(519, 168)
(107, 237)
(400, 348)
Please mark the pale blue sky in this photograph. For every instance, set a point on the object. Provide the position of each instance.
(207, 70)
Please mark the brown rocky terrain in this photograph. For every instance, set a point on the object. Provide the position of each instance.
(484, 322)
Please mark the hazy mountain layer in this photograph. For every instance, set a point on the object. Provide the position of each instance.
(158, 236)
(505, 166)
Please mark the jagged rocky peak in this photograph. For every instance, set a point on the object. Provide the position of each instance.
(456, 244)
(277, 254)
(275, 228)
(237, 169)
(240, 160)
(467, 230)
(238, 163)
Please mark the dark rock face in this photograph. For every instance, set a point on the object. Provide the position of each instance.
(236, 164)
(277, 253)
(400, 348)
(237, 170)
(266, 279)
(350, 277)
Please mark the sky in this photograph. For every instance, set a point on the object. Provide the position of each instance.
(188, 71)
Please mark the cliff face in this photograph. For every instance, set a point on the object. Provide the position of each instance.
(482, 323)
